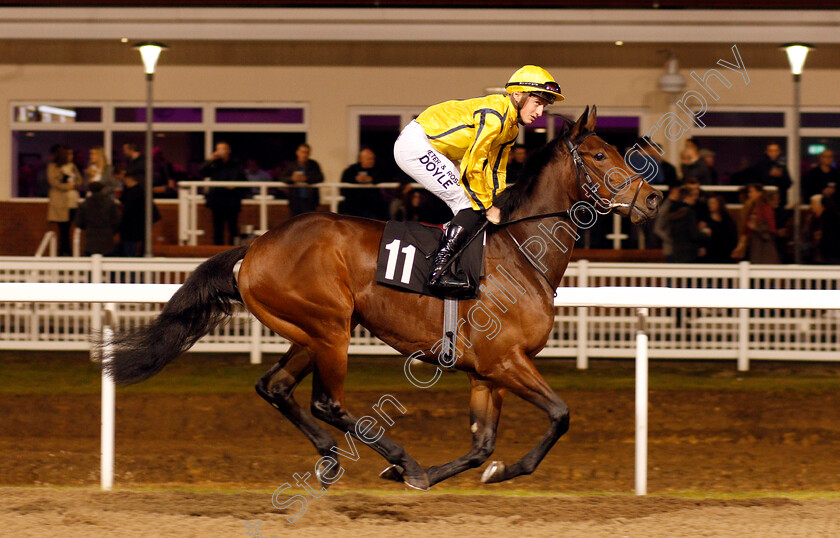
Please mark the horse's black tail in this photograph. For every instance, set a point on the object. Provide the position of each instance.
(205, 300)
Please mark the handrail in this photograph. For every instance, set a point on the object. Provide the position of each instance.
(50, 240)
(189, 198)
(77, 242)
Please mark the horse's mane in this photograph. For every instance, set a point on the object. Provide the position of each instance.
(516, 194)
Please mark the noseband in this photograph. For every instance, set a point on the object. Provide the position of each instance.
(582, 169)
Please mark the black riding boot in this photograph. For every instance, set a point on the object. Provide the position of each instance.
(460, 229)
(445, 280)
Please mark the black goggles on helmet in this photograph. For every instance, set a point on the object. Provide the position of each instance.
(548, 86)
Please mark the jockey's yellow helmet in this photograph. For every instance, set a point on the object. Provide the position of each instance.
(534, 79)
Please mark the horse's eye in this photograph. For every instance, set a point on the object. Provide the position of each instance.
(600, 156)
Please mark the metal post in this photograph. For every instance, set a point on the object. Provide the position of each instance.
(149, 171)
(641, 403)
(743, 320)
(582, 320)
(256, 341)
(796, 168)
(263, 208)
(108, 405)
(95, 308)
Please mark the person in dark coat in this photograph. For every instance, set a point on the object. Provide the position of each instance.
(366, 203)
(99, 217)
(772, 170)
(302, 171)
(133, 223)
(721, 230)
(224, 202)
(687, 240)
(829, 246)
(820, 176)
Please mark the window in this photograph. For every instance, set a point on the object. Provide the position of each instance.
(378, 133)
(159, 115)
(32, 152)
(183, 137)
(734, 154)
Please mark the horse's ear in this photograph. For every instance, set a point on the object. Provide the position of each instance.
(580, 125)
(590, 121)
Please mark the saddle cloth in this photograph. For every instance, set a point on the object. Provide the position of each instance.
(405, 257)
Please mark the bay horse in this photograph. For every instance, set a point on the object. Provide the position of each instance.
(311, 280)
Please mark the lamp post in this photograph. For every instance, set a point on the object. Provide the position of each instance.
(796, 53)
(149, 52)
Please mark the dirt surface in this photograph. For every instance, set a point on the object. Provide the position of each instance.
(703, 441)
(75, 513)
(699, 441)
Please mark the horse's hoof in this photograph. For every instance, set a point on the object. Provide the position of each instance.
(495, 472)
(417, 482)
(393, 473)
(320, 476)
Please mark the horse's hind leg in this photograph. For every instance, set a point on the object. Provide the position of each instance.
(277, 388)
(485, 410)
(328, 405)
(522, 378)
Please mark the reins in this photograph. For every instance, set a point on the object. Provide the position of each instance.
(582, 168)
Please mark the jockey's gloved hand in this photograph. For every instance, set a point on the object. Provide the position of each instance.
(494, 215)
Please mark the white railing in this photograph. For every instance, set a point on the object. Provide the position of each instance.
(48, 242)
(581, 297)
(190, 197)
(583, 333)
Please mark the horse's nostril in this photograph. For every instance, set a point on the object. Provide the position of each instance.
(653, 200)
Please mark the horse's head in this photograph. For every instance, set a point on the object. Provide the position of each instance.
(603, 178)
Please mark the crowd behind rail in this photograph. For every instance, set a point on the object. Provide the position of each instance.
(107, 201)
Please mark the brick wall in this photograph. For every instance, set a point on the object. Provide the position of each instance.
(24, 223)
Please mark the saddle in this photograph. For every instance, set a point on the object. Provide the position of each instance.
(405, 258)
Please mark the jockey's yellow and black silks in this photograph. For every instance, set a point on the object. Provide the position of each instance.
(478, 132)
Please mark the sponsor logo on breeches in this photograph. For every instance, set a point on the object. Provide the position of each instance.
(444, 177)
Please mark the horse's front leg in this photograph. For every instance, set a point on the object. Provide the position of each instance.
(485, 409)
(522, 378)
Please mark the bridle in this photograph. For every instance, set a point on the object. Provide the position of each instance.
(582, 168)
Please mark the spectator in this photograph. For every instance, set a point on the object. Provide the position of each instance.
(367, 202)
(163, 176)
(99, 217)
(516, 162)
(133, 223)
(64, 178)
(224, 202)
(830, 227)
(99, 171)
(662, 224)
(743, 174)
(708, 157)
(693, 166)
(253, 172)
(686, 239)
(772, 170)
(700, 206)
(398, 208)
(302, 171)
(666, 174)
(758, 231)
(812, 230)
(721, 231)
(135, 164)
(818, 177)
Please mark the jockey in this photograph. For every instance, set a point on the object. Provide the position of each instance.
(479, 133)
